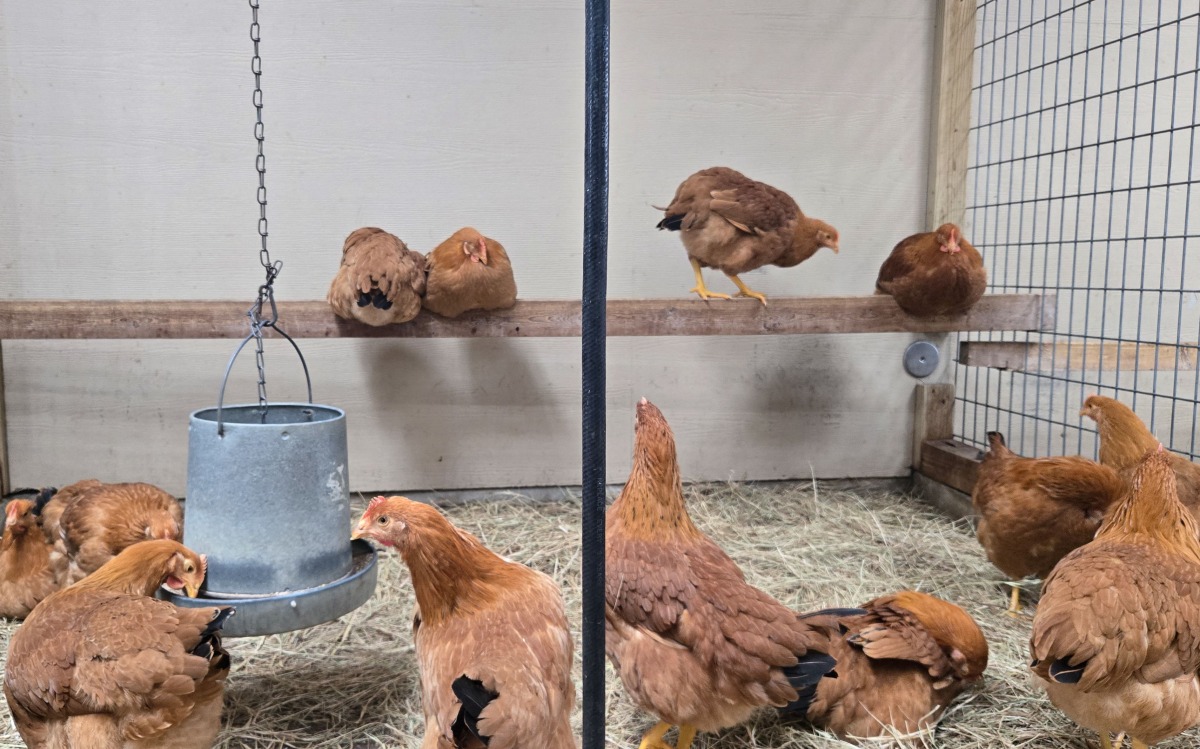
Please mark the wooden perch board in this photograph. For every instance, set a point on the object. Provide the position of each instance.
(1090, 356)
(950, 462)
(37, 320)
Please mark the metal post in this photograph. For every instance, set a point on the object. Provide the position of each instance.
(595, 279)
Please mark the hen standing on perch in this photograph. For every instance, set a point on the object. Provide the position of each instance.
(91, 522)
(901, 660)
(1034, 511)
(934, 273)
(735, 224)
(380, 281)
(103, 664)
(469, 271)
(1116, 636)
(492, 639)
(694, 643)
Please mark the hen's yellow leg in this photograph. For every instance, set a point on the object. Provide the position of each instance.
(1137, 744)
(686, 735)
(1105, 743)
(700, 288)
(1014, 607)
(746, 290)
(653, 737)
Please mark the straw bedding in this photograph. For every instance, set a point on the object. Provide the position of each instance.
(353, 682)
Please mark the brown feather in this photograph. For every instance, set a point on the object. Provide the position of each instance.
(102, 660)
(736, 224)
(1126, 608)
(693, 643)
(485, 618)
(1034, 511)
(30, 570)
(925, 281)
(469, 271)
(376, 263)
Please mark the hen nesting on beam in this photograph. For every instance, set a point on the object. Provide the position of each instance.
(380, 280)
(934, 273)
(735, 224)
(469, 271)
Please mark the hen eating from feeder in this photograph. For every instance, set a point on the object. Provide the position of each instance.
(492, 639)
(380, 281)
(103, 664)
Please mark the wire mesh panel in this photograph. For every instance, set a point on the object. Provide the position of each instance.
(1085, 155)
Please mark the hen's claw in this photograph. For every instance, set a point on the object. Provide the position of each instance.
(653, 739)
(746, 291)
(700, 288)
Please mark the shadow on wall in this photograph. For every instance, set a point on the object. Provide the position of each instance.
(450, 406)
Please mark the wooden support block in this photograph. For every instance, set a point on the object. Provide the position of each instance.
(950, 123)
(952, 502)
(933, 418)
(952, 463)
(1078, 356)
(37, 319)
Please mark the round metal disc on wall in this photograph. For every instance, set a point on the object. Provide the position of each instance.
(921, 358)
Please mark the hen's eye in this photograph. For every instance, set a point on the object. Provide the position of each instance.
(383, 519)
(188, 567)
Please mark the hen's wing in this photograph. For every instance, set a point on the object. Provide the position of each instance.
(886, 632)
(102, 652)
(754, 207)
(1114, 611)
(900, 263)
(704, 605)
(512, 663)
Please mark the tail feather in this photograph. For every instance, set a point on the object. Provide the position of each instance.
(474, 697)
(804, 678)
(1063, 672)
(672, 223)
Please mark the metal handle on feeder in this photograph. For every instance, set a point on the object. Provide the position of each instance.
(256, 332)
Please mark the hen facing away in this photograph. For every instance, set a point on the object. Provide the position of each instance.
(91, 522)
(1124, 439)
(492, 640)
(735, 224)
(1116, 636)
(380, 280)
(934, 273)
(1034, 511)
(901, 660)
(102, 665)
(30, 569)
(693, 642)
(469, 271)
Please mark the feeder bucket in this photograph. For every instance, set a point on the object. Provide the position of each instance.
(267, 502)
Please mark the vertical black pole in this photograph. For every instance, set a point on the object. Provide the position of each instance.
(595, 281)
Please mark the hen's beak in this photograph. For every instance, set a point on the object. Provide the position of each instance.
(834, 247)
(358, 532)
(192, 589)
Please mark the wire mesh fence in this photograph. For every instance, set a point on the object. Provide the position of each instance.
(1085, 156)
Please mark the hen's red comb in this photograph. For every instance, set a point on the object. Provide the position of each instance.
(375, 502)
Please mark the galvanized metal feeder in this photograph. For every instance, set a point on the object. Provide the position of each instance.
(268, 485)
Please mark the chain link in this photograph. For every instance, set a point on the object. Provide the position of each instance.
(266, 292)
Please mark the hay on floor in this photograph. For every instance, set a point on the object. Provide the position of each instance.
(353, 682)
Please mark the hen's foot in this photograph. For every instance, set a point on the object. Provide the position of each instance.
(1014, 608)
(746, 291)
(653, 739)
(700, 288)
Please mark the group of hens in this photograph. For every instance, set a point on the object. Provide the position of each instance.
(100, 662)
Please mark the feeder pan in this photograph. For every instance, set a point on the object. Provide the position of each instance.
(267, 502)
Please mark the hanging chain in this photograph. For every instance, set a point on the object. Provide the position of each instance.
(266, 292)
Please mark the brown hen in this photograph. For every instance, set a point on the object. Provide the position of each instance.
(492, 639)
(30, 569)
(380, 280)
(735, 224)
(1116, 636)
(96, 521)
(1124, 439)
(901, 660)
(693, 642)
(934, 273)
(1034, 511)
(469, 271)
(102, 664)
